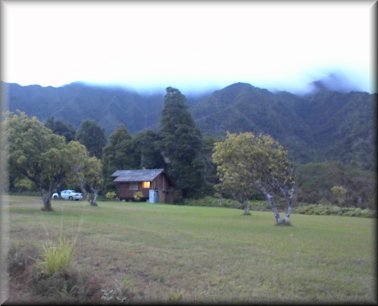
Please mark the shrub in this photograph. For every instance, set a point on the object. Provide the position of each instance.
(175, 297)
(212, 202)
(110, 195)
(56, 258)
(138, 195)
(321, 209)
(259, 205)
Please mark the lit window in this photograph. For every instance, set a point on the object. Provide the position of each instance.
(146, 184)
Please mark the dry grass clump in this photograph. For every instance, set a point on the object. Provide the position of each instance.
(48, 274)
(56, 257)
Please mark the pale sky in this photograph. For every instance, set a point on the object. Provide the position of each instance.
(188, 45)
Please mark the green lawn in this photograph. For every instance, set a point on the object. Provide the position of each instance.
(201, 254)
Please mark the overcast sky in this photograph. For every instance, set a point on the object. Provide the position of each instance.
(188, 45)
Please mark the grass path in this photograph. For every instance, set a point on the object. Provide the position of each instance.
(203, 254)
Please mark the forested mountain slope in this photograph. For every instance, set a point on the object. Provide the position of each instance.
(323, 125)
(76, 102)
(242, 107)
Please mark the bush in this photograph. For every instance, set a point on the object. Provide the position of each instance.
(56, 258)
(111, 195)
(138, 195)
(321, 209)
(259, 205)
(209, 201)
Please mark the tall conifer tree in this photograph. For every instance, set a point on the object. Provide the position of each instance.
(181, 144)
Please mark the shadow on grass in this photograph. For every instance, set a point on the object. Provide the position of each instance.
(283, 223)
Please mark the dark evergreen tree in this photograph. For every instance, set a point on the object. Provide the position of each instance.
(210, 169)
(146, 147)
(181, 144)
(92, 136)
(60, 128)
(118, 154)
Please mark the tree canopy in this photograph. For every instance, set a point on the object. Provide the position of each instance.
(36, 153)
(146, 146)
(92, 136)
(43, 157)
(118, 153)
(181, 144)
(247, 164)
(61, 128)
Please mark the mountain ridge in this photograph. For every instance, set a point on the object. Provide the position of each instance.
(316, 126)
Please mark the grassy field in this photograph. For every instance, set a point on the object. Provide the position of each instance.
(163, 253)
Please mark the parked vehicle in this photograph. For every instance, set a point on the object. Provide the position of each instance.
(68, 195)
(55, 195)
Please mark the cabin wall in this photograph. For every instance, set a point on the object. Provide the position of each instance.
(160, 184)
(124, 191)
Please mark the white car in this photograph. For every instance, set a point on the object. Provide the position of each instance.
(68, 195)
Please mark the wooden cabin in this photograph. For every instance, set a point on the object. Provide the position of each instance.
(153, 184)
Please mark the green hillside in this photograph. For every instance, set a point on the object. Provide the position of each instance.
(323, 125)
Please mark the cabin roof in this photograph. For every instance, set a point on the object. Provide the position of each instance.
(136, 175)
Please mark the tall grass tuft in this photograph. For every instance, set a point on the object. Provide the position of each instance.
(57, 257)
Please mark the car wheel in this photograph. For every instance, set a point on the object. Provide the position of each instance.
(70, 198)
(55, 197)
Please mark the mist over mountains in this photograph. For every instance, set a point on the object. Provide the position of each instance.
(330, 122)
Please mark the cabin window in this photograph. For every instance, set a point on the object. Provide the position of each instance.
(146, 184)
(133, 187)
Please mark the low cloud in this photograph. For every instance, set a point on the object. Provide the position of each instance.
(334, 81)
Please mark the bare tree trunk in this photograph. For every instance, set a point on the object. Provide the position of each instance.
(289, 202)
(95, 195)
(46, 198)
(84, 190)
(246, 207)
(276, 214)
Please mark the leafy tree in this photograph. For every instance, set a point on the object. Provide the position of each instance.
(315, 182)
(210, 169)
(92, 136)
(22, 183)
(94, 178)
(146, 145)
(61, 128)
(118, 154)
(86, 171)
(78, 162)
(247, 164)
(181, 144)
(339, 192)
(36, 153)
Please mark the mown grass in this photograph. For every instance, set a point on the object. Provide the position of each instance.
(164, 253)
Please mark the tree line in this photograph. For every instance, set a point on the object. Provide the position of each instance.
(52, 156)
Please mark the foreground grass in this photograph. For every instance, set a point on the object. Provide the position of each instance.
(201, 254)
